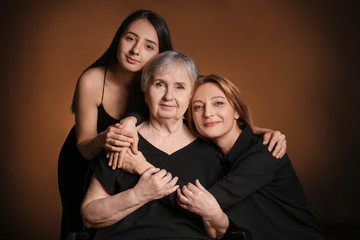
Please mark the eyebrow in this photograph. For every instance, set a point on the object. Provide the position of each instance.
(210, 99)
(148, 40)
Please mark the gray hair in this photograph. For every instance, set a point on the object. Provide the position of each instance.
(166, 60)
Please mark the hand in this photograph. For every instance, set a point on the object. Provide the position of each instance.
(135, 163)
(155, 184)
(115, 137)
(197, 199)
(115, 158)
(278, 139)
(129, 124)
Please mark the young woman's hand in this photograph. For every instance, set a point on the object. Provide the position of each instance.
(155, 184)
(115, 137)
(117, 157)
(135, 163)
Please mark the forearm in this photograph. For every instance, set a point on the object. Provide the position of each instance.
(259, 130)
(90, 147)
(107, 211)
(217, 225)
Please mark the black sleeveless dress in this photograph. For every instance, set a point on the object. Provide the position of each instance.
(74, 172)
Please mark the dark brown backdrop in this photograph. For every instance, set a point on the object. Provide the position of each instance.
(297, 63)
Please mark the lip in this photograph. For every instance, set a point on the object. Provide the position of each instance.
(166, 106)
(211, 124)
(131, 60)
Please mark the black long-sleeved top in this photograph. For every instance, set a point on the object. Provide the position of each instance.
(263, 195)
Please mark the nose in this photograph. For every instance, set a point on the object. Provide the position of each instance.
(208, 111)
(136, 49)
(169, 94)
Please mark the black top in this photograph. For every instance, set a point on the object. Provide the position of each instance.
(158, 219)
(262, 195)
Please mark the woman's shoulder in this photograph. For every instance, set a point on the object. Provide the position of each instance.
(92, 77)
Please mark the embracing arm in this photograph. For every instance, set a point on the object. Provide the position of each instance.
(100, 209)
(274, 139)
(87, 98)
(197, 199)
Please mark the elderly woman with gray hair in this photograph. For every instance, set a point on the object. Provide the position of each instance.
(127, 206)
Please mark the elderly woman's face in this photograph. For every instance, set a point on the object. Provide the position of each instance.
(168, 94)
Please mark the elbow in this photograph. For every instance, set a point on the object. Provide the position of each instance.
(86, 217)
(83, 152)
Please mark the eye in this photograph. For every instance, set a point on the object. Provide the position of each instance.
(159, 84)
(180, 87)
(218, 103)
(149, 47)
(130, 38)
(197, 107)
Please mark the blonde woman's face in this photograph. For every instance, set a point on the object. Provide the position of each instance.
(213, 114)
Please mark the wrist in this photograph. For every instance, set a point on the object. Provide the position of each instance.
(129, 121)
(141, 168)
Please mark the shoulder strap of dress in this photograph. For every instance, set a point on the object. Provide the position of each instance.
(102, 96)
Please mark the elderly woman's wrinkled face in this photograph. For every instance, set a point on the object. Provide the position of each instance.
(169, 92)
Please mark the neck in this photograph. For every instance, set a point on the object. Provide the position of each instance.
(163, 127)
(123, 76)
(227, 141)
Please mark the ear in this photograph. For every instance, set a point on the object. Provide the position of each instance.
(236, 115)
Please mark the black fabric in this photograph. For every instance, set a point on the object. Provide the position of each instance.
(157, 219)
(262, 195)
(74, 176)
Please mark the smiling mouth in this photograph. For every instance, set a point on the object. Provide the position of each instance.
(131, 60)
(211, 124)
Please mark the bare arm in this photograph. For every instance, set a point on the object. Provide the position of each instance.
(100, 209)
(197, 199)
(272, 138)
(87, 99)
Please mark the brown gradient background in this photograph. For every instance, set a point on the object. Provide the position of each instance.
(296, 62)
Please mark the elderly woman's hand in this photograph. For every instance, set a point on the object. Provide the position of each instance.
(155, 184)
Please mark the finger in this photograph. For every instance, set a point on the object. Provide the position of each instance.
(111, 159)
(182, 198)
(266, 138)
(282, 151)
(172, 189)
(274, 139)
(160, 174)
(186, 192)
(115, 161)
(279, 145)
(121, 157)
(173, 181)
(107, 154)
(115, 145)
(134, 145)
(198, 184)
(151, 171)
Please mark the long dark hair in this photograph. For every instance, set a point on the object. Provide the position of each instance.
(109, 59)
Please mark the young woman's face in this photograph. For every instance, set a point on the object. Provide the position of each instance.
(213, 114)
(168, 94)
(137, 45)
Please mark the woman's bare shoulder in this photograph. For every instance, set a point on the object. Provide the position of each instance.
(92, 78)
